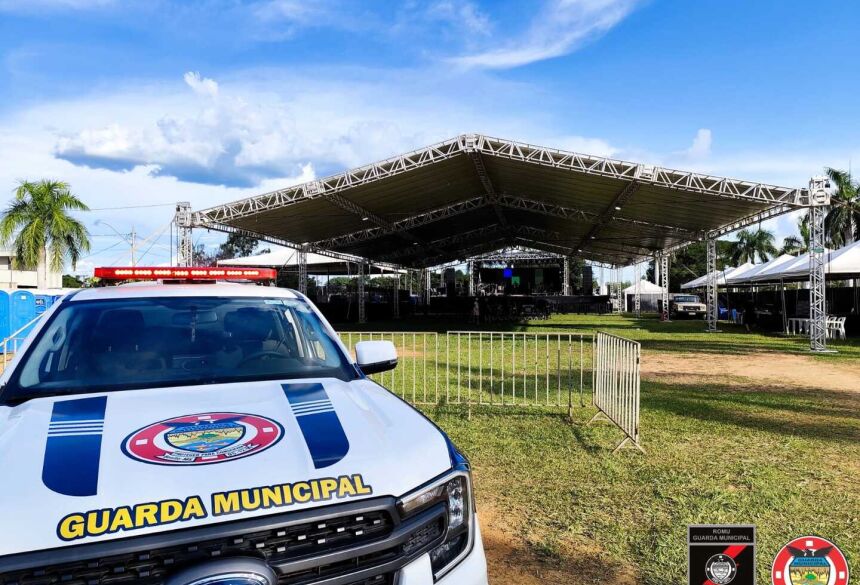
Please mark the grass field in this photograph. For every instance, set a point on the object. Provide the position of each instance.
(737, 428)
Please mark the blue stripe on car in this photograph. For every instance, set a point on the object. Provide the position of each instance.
(319, 423)
(73, 450)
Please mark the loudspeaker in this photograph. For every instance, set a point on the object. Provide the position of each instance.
(587, 280)
(450, 282)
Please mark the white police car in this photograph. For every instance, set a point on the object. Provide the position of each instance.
(220, 434)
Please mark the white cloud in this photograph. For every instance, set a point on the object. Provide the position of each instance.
(560, 28)
(461, 15)
(201, 85)
(243, 130)
(701, 146)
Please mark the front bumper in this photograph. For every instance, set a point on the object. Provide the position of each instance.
(472, 570)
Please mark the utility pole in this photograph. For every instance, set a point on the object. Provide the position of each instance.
(133, 236)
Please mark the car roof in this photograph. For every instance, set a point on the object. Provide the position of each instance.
(156, 289)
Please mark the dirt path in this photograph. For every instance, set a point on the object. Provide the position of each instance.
(769, 369)
(510, 561)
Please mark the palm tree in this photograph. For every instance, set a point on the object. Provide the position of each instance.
(38, 227)
(796, 245)
(842, 222)
(752, 244)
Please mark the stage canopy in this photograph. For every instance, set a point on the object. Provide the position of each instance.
(474, 194)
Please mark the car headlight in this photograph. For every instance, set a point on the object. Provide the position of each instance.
(454, 490)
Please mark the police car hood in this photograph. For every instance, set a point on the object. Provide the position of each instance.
(104, 466)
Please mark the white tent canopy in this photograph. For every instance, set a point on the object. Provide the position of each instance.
(754, 270)
(702, 281)
(841, 263)
(645, 288)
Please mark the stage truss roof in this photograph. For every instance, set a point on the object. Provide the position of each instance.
(475, 194)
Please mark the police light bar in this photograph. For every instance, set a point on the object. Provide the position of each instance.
(185, 273)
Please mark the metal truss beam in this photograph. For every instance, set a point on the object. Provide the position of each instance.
(637, 300)
(334, 184)
(565, 283)
(664, 284)
(571, 213)
(461, 207)
(611, 211)
(712, 302)
(228, 229)
(497, 147)
(362, 315)
(752, 220)
(303, 269)
(646, 174)
(365, 214)
(395, 301)
(182, 219)
(414, 221)
(490, 194)
(516, 253)
(441, 243)
(818, 187)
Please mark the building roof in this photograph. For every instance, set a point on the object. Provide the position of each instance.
(475, 194)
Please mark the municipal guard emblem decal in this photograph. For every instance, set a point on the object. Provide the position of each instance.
(721, 569)
(201, 439)
(809, 560)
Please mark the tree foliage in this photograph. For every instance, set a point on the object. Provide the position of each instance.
(236, 246)
(752, 245)
(842, 222)
(39, 228)
(692, 262)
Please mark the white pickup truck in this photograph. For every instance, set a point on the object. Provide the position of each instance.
(220, 434)
(686, 305)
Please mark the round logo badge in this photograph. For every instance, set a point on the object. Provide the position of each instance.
(721, 569)
(809, 560)
(200, 439)
(232, 571)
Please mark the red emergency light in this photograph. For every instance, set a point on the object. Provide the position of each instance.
(185, 273)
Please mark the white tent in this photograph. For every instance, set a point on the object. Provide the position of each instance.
(750, 274)
(730, 273)
(702, 281)
(645, 288)
(841, 263)
(649, 293)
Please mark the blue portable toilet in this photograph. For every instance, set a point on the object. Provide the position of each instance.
(4, 316)
(22, 310)
(43, 301)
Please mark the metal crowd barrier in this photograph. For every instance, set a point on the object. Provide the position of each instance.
(616, 385)
(491, 368)
(11, 344)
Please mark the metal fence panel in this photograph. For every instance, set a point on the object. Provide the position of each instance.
(495, 368)
(418, 375)
(617, 384)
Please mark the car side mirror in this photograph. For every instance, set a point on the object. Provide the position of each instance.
(375, 356)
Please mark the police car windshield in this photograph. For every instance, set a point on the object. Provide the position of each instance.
(120, 344)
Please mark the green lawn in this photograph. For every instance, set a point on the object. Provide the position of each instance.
(653, 334)
(785, 459)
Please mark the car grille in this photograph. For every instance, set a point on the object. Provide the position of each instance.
(301, 553)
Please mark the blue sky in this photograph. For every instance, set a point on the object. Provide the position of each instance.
(148, 103)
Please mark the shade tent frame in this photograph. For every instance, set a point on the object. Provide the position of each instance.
(475, 194)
